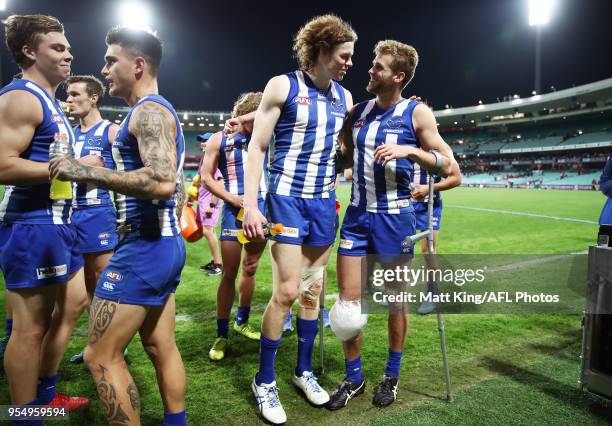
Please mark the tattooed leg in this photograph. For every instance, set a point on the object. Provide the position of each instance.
(111, 327)
(100, 317)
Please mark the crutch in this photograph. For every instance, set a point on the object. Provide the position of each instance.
(321, 328)
(430, 242)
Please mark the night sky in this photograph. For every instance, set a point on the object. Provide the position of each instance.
(469, 50)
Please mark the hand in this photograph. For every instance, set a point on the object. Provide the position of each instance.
(252, 224)
(232, 126)
(414, 97)
(67, 168)
(92, 160)
(389, 152)
(420, 192)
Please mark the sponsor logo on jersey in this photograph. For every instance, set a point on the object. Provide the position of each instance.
(114, 276)
(93, 201)
(302, 100)
(97, 141)
(290, 232)
(359, 123)
(229, 232)
(57, 118)
(103, 242)
(104, 235)
(108, 286)
(61, 137)
(51, 271)
(346, 244)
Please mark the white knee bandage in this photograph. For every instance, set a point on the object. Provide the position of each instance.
(311, 286)
(346, 318)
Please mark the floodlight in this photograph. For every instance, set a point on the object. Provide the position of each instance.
(2, 5)
(135, 14)
(540, 11)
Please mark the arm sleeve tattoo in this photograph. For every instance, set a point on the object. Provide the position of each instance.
(155, 129)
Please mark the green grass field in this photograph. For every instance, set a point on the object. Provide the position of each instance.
(506, 369)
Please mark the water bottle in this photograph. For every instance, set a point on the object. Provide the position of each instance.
(269, 230)
(60, 190)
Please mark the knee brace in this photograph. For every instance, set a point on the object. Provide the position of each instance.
(311, 286)
(346, 318)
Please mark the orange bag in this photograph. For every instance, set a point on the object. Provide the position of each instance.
(191, 228)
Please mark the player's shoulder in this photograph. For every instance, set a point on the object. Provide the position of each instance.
(21, 106)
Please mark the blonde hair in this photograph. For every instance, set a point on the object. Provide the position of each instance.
(320, 33)
(405, 57)
(246, 102)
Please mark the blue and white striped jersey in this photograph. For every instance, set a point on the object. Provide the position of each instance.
(31, 203)
(156, 217)
(302, 164)
(232, 164)
(94, 141)
(421, 177)
(376, 188)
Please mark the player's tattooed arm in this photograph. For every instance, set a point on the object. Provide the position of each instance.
(181, 196)
(154, 127)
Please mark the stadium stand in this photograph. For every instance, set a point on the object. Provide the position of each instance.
(552, 140)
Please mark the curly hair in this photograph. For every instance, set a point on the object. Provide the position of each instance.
(320, 33)
(246, 103)
(25, 30)
(405, 57)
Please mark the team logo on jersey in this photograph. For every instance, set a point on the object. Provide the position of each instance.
(359, 123)
(337, 105)
(58, 119)
(302, 100)
(229, 146)
(97, 141)
(114, 276)
(394, 122)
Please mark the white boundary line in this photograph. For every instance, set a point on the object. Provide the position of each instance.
(539, 216)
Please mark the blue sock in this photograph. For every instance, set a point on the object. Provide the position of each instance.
(28, 422)
(394, 362)
(242, 314)
(267, 353)
(306, 331)
(46, 389)
(222, 327)
(353, 370)
(175, 419)
(9, 327)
